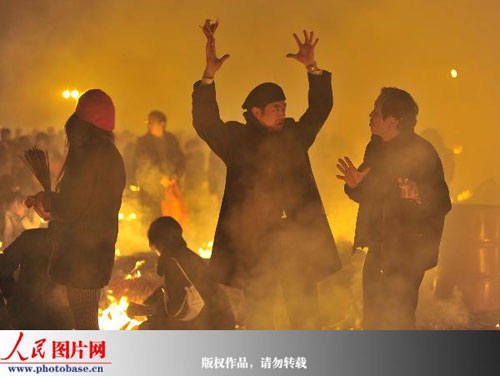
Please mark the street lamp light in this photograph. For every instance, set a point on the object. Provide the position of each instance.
(67, 94)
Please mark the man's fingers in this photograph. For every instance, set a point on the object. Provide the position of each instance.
(305, 36)
(215, 26)
(349, 162)
(315, 42)
(342, 169)
(204, 29)
(224, 58)
(341, 177)
(343, 164)
(297, 39)
(293, 56)
(311, 36)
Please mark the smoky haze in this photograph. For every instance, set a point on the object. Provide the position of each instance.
(147, 54)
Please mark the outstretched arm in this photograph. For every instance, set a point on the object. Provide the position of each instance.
(213, 63)
(206, 118)
(320, 95)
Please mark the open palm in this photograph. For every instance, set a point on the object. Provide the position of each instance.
(306, 49)
(350, 174)
(213, 62)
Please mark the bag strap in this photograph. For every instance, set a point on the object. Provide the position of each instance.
(182, 270)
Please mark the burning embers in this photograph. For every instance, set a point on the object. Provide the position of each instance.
(205, 251)
(134, 279)
(115, 317)
(135, 273)
(125, 286)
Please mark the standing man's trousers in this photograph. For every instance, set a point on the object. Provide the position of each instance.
(390, 295)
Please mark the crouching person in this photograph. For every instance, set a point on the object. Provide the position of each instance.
(189, 299)
(34, 302)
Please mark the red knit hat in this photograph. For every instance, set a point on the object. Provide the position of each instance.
(97, 108)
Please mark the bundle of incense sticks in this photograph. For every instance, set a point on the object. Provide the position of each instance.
(38, 163)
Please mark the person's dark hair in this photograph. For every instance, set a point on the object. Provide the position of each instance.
(401, 105)
(166, 233)
(82, 137)
(158, 116)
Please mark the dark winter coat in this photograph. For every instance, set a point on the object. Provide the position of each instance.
(403, 232)
(163, 153)
(217, 313)
(269, 177)
(34, 301)
(85, 224)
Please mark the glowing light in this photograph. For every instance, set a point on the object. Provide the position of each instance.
(75, 94)
(117, 252)
(454, 73)
(134, 188)
(131, 217)
(66, 94)
(135, 272)
(497, 325)
(206, 250)
(121, 216)
(362, 249)
(464, 196)
(115, 317)
(457, 150)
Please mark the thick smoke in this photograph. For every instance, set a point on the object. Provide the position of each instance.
(147, 54)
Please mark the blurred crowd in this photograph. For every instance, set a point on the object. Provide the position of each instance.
(199, 175)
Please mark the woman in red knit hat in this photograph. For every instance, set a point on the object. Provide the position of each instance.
(83, 212)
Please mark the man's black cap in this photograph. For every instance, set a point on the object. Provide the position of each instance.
(265, 93)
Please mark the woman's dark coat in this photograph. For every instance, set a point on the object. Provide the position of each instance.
(216, 314)
(269, 177)
(85, 224)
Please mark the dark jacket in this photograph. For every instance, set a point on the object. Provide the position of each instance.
(162, 153)
(403, 232)
(217, 313)
(269, 176)
(33, 291)
(85, 224)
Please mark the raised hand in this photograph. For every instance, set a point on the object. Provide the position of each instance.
(350, 174)
(213, 62)
(306, 49)
(37, 203)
